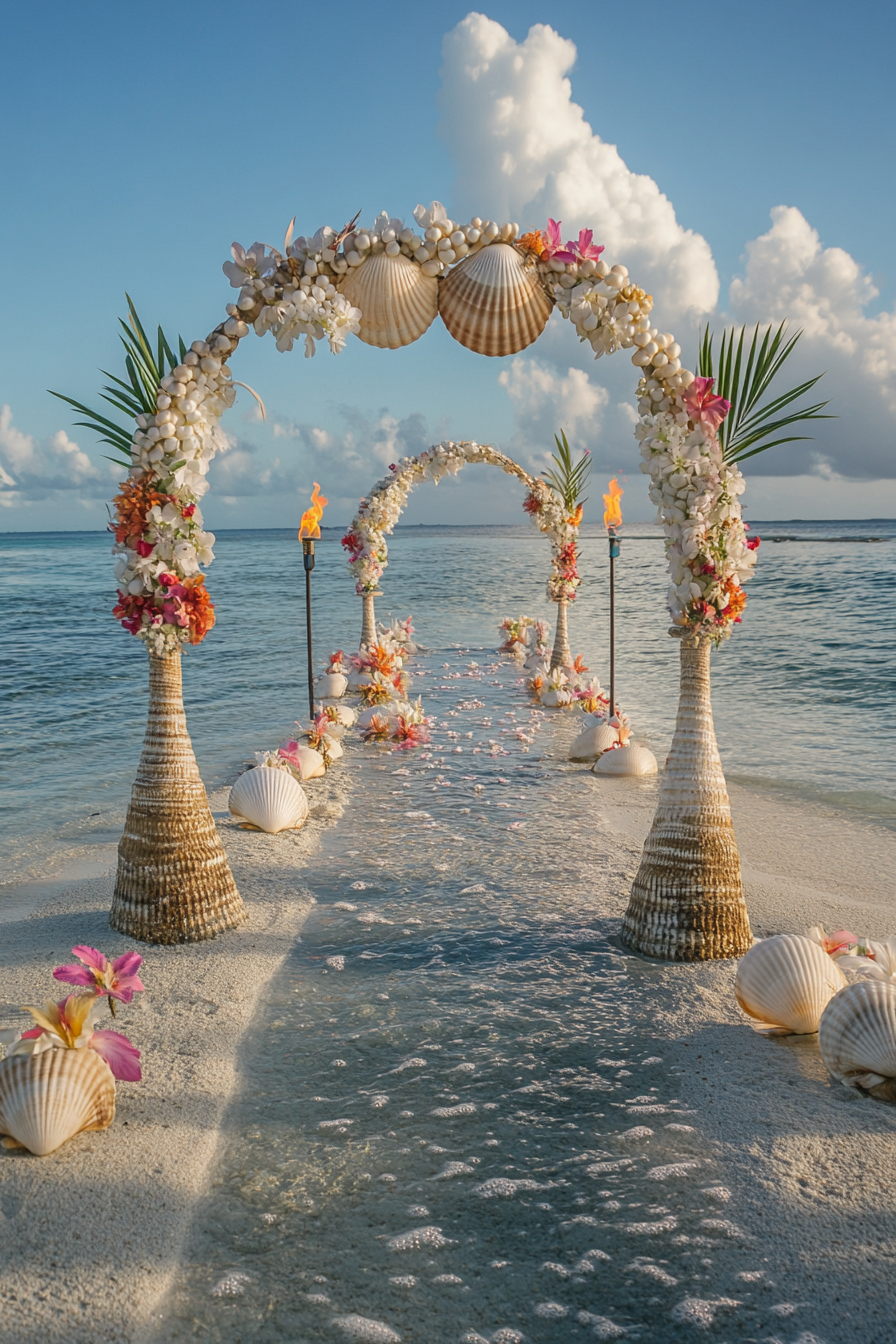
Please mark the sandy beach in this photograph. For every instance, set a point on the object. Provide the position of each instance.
(93, 1235)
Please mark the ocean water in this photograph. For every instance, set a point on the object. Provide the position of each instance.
(802, 693)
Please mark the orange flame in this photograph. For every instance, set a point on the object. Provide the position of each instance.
(310, 525)
(612, 512)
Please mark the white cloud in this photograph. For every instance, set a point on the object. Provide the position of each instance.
(523, 150)
(31, 471)
(789, 274)
(544, 401)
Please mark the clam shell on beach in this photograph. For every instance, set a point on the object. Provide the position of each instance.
(857, 1036)
(47, 1099)
(593, 742)
(398, 301)
(493, 303)
(785, 983)
(332, 685)
(627, 760)
(270, 799)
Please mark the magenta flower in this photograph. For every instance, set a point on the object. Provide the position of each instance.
(553, 247)
(702, 406)
(116, 979)
(585, 248)
(122, 1057)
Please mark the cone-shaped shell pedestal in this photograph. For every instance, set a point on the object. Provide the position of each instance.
(687, 902)
(561, 654)
(368, 619)
(174, 884)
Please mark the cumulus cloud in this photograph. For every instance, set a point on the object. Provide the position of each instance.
(523, 150)
(789, 274)
(32, 471)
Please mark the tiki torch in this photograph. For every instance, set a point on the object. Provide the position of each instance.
(612, 520)
(309, 529)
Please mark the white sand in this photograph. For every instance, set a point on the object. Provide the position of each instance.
(91, 1235)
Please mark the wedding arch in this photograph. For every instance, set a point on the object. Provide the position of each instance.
(379, 512)
(494, 288)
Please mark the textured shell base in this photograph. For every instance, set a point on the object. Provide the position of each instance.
(785, 983)
(628, 760)
(493, 303)
(857, 1037)
(47, 1099)
(687, 901)
(398, 301)
(269, 799)
(174, 884)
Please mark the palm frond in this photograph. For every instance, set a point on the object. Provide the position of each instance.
(134, 395)
(744, 378)
(568, 478)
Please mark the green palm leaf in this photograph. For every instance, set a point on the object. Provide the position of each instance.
(135, 395)
(568, 478)
(750, 426)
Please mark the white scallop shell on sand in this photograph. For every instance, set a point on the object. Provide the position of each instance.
(345, 716)
(560, 699)
(334, 747)
(270, 799)
(332, 685)
(628, 760)
(398, 301)
(857, 1036)
(311, 763)
(493, 303)
(593, 742)
(389, 712)
(785, 983)
(48, 1098)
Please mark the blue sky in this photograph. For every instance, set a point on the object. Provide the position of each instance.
(139, 142)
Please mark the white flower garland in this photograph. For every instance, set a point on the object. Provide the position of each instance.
(378, 514)
(160, 538)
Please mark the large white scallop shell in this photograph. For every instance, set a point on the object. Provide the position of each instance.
(389, 712)
(270, 799)
(785, 983)
(627, 760)
(593, 742)
(556, 699)
(857, 1034)
(332, 685)
(48, 1098)
(493, 303)
(398, 301)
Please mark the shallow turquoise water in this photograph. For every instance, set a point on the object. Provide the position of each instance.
(802, 693)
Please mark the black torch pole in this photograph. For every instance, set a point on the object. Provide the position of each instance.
(614, 555)
(308, 561)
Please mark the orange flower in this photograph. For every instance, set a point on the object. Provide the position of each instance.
(532, 242)
(199, 607)
(576, 518)
(737, 600)
(133, 504)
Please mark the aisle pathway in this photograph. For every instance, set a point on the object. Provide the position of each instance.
(457, 1122)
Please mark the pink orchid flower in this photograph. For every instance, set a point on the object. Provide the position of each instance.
(553, 246)
(702, 406)
(116, 979)
(584, 249)
(68, 1025)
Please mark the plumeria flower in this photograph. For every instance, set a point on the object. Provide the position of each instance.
(873, 960)
(116, 979)
(68, 1025)
(247, 264)
(837, 944)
